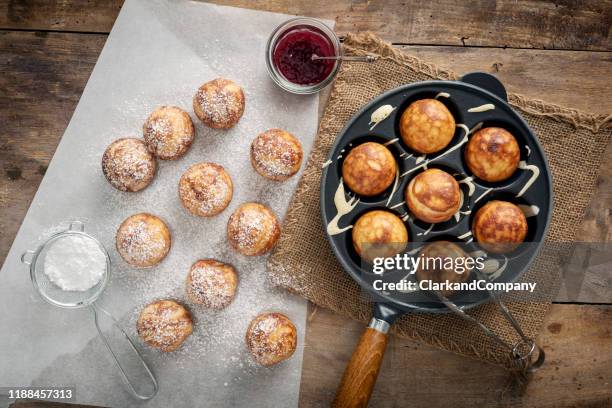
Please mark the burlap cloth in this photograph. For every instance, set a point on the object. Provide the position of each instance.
(303, 261)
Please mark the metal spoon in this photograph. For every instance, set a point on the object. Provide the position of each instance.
(356, 58)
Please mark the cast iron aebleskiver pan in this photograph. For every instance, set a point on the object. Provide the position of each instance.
(475, 89)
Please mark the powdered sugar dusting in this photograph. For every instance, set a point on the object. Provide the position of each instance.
(211, 284)
(141, 242)
(128, 165)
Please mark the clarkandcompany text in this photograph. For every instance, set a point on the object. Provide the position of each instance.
(428, 285)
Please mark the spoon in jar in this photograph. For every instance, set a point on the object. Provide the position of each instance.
(356, 58)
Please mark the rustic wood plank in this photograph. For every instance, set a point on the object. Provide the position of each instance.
(583, 25)
(43, 76)
(577, 340)
(554, 76)
(79, 15)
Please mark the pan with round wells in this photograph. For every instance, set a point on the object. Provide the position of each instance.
(477, 101)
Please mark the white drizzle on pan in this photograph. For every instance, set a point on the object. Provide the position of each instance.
(487, 191)
(529, 210)
(536, 172)
(464, 236)
(482, 108)
(327, 163)
(405, 217)
(457, 215)
(469, 181)
(343, 207)
(380, 114)
(442, 95)
(427, 231)
(426, 161)
(528, 150)
(390, 142)
(397, 205)
(493, 268)
(394, 189)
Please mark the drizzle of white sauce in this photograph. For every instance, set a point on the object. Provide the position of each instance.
(380, 114)
(414, 251)
(397, 205)
(482, 108)
(536, 172)
(427, 231)
(467, 234)
(394, 189)
(457, 215)
(405, 217)
(455, 147)
(343, 207)
(327, 163)
(487, 191)
(339, 157)
(391, 141)
(529, 210)
(493, 268)
(468, 181)
(420, 159)
(442, 95)
(406, 157)
(528, 150)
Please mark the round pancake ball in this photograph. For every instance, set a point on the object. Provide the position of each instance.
(369, 169)
(492, 154)
(427, 126)
(379, 234)
(499, 227)
(433, 196)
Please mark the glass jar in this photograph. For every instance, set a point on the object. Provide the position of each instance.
(289, 51)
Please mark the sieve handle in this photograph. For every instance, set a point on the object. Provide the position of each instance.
(136, 355)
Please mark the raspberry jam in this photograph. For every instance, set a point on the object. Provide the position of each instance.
(293, 53)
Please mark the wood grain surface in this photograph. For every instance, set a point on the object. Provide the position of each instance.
(577, 340)
(565, 24)
(47, 52)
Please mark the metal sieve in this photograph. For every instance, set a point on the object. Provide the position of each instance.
(54, 295)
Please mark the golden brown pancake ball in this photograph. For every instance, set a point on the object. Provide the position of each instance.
(276, 154)
(128, 165)
(427, 126)
(443, 261)
(253, 229)
(219, 103)
(143, 240)
(168, 132)
(379, 234)
(211, 283)
(205, 189)
(492, 154)
(271, 338)
(433, 196)
(164, 325)
(499, 227)
(369, 169)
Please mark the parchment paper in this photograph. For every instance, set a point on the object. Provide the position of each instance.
(159, 53)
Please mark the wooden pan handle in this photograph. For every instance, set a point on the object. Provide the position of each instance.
(361, 373)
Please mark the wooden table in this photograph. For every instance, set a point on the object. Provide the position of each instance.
(558, 51)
